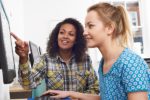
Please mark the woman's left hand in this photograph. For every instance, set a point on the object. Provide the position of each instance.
(57, 94)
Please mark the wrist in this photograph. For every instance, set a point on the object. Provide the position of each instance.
(23, 60)
(72, 94)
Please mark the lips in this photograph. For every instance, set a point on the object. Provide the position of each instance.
(65, 42)
(87, 38)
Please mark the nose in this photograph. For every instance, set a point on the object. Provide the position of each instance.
(85, 32)
(65, 35)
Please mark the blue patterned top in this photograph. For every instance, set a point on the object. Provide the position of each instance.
(128, 74)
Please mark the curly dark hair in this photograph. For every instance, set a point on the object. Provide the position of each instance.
(79, 48)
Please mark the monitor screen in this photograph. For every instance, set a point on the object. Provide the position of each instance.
(34, 52)
(7, 61)
(148, 61)
(40, 50)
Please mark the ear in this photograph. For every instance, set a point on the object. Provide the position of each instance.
(110, 28)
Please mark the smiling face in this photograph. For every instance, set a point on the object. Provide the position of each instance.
(66, 37)
(95, 31)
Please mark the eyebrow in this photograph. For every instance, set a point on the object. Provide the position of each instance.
(65, 30)
(88, 23)
(62, 29)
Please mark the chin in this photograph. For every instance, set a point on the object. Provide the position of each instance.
(91, 46)
(65, 48)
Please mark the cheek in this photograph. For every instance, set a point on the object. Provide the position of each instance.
(99, 34)
(58, 37)
(73, 40)
(58, 43)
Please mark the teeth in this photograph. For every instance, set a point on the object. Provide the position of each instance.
(64, 42)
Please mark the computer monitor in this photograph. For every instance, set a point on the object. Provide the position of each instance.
(7, 60)
(34, 52)
(40, 50)
(148, 61)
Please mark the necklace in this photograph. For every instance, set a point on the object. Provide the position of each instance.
(67, 60)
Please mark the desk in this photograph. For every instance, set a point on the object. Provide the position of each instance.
(17, 92)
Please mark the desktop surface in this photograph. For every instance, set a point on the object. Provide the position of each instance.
(17, 92)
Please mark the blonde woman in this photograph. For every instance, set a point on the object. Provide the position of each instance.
(123, 74)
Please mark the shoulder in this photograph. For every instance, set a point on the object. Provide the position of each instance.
(86, 63)
(130, 54)
(45, 55)
(134, 71)
(41, 58)
(133, 63)
(130, 57)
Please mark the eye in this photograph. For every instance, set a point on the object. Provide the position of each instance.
(61, 32)
(90, 25)
(71, 34)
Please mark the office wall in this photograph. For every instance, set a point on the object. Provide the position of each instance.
(146, 24)
(40, 16)
(14, 10)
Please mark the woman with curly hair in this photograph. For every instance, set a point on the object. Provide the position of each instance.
(65, 66)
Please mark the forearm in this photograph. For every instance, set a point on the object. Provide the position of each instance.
(23, 60)
(82, 96)
(23, 74)
(31, 77)
(138, 96)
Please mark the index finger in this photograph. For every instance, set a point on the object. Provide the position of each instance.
(45, 93)
(15, 36)
(50, 92)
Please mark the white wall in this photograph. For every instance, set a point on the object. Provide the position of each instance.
(40, 16)
(146, 26)
(14, 10)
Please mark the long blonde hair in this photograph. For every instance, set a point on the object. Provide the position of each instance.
(117, 16)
